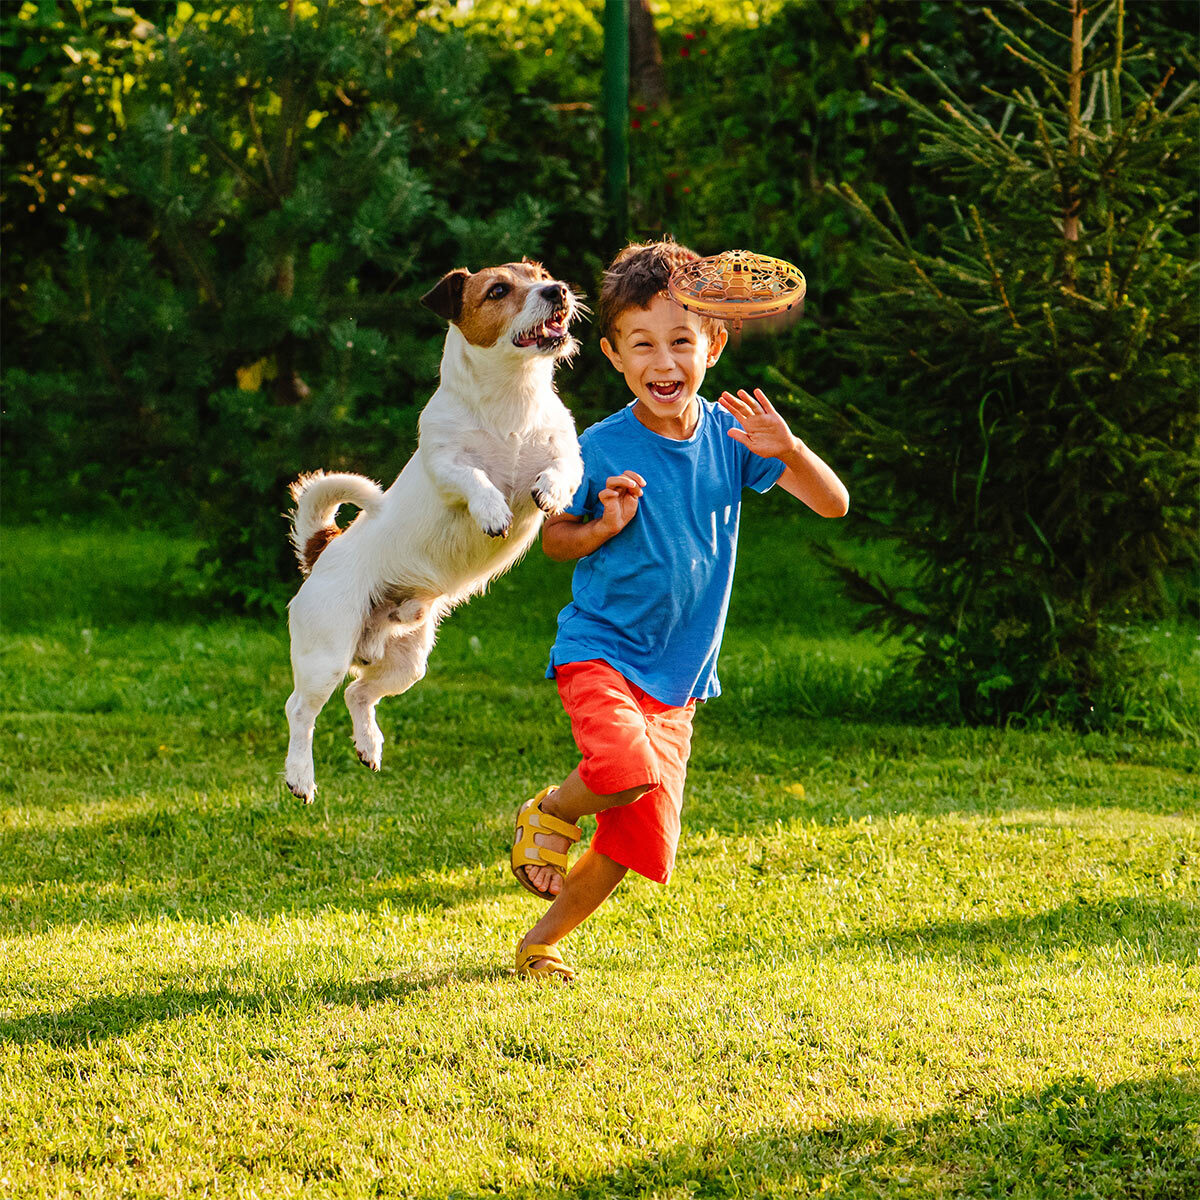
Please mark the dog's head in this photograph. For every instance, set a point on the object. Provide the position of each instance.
(518, 307)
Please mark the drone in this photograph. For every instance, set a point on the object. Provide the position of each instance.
(738, 286)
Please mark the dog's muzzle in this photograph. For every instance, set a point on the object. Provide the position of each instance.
(552, 331)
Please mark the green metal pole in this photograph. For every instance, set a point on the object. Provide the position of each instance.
(616, 119)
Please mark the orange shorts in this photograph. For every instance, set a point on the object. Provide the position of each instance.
(627, 739)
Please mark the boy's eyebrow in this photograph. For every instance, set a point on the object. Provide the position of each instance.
(677, 329)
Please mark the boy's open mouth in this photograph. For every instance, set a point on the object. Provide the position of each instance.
(667, 391)
(546, 334)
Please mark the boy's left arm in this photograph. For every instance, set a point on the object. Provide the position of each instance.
(765, 433)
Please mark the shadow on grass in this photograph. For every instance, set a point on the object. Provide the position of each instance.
(116, 1016)
(1136, 1140)
(1166, 930)
(190, 865)
(99, 577)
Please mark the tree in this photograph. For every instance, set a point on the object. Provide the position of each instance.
(1029, 435)
(256, 315)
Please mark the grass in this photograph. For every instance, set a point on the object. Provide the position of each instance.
(895, 960)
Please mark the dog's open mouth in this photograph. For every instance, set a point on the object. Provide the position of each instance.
(546, 335)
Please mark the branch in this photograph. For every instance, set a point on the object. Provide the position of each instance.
(987, 253)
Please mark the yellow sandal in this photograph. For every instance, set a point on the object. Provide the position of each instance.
(555, 968)
(531, 820)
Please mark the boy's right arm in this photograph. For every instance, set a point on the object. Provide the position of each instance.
(566, 537)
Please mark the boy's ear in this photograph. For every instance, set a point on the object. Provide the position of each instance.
(717, 344)
(610, 352)
(445, 297)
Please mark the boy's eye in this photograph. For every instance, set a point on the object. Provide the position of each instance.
(683, 341)
(497, 290)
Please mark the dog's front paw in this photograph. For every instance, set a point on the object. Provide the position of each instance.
(551, 492)
(492, 515)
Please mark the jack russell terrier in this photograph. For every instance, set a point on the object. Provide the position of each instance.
(497, 449)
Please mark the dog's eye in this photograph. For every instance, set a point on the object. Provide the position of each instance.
(497, 290)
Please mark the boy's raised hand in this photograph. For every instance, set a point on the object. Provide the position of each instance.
(620, 499)
(763, 431)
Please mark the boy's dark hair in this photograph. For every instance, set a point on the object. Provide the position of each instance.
(638, 274)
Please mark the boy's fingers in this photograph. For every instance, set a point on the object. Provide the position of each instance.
(735, 407)
(610, 494)
(628, 480)
(761, 397)
(749, 400)
(739, 435)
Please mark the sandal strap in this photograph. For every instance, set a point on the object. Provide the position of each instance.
(537, 950)
(530, 953)
(539, 856)
(526, 852)
(537, 818)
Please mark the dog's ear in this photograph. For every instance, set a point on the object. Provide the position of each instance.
(446, 298)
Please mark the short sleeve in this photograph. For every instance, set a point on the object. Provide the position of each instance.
(586, 501)
(760, 473)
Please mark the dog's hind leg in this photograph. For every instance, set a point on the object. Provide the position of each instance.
(315, 680)
(393, 616)
(402, 665)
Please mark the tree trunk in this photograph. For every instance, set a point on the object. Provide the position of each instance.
(647, 80)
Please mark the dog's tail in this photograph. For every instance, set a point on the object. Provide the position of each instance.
(318, 497)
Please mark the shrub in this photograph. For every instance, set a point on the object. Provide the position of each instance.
(292, 177)
(1032, 402)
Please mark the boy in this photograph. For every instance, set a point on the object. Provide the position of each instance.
(654, 529)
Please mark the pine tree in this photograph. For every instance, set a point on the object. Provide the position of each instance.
(1027, 426)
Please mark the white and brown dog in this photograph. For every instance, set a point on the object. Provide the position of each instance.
(497, 449)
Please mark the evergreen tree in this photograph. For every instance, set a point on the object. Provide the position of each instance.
(1026, 425)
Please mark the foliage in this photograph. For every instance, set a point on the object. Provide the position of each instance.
(287, 170)
(1033, 375)
(176, 335)
(66, 71)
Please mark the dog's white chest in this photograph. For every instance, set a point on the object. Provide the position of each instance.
(512, 462)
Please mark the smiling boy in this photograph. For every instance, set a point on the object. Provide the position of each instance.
(653, 528)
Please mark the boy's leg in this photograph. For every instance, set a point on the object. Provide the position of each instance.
(588, 884)
(570, 801)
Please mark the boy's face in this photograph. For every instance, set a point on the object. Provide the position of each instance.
(663, 352)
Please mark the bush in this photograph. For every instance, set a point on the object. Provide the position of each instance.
(293, 178)
(1034, 407)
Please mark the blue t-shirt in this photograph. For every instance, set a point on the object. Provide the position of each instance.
(651, 601)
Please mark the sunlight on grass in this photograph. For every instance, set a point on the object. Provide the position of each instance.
(895, 960)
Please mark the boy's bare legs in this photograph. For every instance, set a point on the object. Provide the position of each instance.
(572, 800)
(588, 884)
(593, 877)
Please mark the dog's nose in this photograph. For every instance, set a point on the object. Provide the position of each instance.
(555, 292)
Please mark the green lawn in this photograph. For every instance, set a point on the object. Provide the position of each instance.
(895, 960)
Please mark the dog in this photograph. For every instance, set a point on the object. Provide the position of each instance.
(496, 450)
